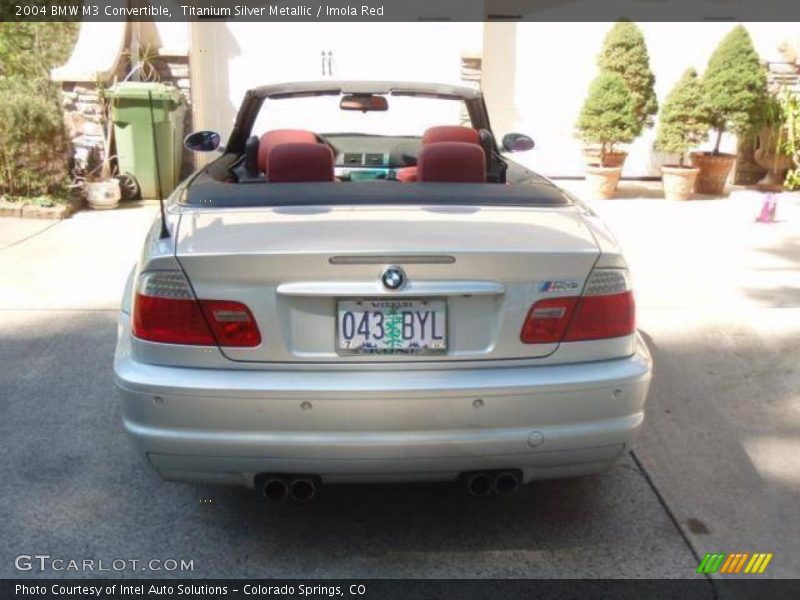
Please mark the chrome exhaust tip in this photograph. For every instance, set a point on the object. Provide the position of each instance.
(479, 484)
(274, 489)
(506, 483)
(302, 489)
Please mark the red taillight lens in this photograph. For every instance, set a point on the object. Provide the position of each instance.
(170, 321)
(599, 317)
(166, 311)
(605, 310)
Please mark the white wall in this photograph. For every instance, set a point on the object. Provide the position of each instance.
(535, 75)
(555, 62)
(227, 59)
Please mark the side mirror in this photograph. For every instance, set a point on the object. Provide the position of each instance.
(517, 142)
(202, 141)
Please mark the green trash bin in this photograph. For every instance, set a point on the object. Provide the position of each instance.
(149, 138)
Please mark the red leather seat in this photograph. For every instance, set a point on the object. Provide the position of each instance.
(452, 162)
(294, 163)
(435, 135)
(280, 136)
(450, 133)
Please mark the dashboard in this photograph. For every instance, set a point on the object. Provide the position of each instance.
(359, 157)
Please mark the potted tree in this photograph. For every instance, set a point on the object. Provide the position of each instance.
(790, 107)
(683, 125)
(606, 119)
(625, 53)
(770, 141)
(734, 84)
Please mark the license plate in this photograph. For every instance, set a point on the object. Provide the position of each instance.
(391, 326)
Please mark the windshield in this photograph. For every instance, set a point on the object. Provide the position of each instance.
(406, 115)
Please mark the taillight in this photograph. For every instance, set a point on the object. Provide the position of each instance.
(166, 311)
(605, 310)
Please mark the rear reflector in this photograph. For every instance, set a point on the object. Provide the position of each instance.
(605, 310)
(166, 311)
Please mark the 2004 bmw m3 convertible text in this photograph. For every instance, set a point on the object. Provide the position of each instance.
(363, 286)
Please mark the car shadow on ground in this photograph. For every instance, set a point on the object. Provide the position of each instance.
(565, 514)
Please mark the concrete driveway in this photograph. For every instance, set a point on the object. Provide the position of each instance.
(716, 468)
(718, 300)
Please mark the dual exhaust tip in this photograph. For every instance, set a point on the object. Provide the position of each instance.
(304, 489)
(299, 489)
(487, 483)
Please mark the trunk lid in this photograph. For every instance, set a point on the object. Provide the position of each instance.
(291, 265)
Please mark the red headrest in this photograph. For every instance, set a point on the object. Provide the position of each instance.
(281, 136)
(290, 163)
(452, 162)
(450, 133)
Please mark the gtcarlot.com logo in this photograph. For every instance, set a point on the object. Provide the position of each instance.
(45, 562)
(733, 563)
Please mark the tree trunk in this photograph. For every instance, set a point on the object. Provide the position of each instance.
(719, 140)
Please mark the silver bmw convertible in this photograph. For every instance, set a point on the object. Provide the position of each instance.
(363, 286)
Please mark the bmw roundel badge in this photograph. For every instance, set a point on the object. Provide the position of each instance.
(393, 278)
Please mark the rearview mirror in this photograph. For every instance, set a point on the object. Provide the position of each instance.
(202, 141)
(517, 142)
(364, 102)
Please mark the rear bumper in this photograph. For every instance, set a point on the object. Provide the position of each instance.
(226, 426)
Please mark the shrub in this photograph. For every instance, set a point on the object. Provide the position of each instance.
(735, 84)
(625, 53)
(33, 149)
(607, 116)
(684, 117)
(32, 49)
(32, 155)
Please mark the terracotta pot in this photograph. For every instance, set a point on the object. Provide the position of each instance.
(601, 182)
(614, 159)
(103, 195)
(767, 157)
(678, 181)
(714, 171)
(594, 156)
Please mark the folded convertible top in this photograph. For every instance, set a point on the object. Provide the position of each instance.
(207, 192)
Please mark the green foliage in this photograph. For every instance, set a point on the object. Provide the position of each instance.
(32, 49)
(735, 84)
(31, 122)
(770, 112)
(607, 116)
(32, 129)
(790, 111)
(684, 117)
(625, 53)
